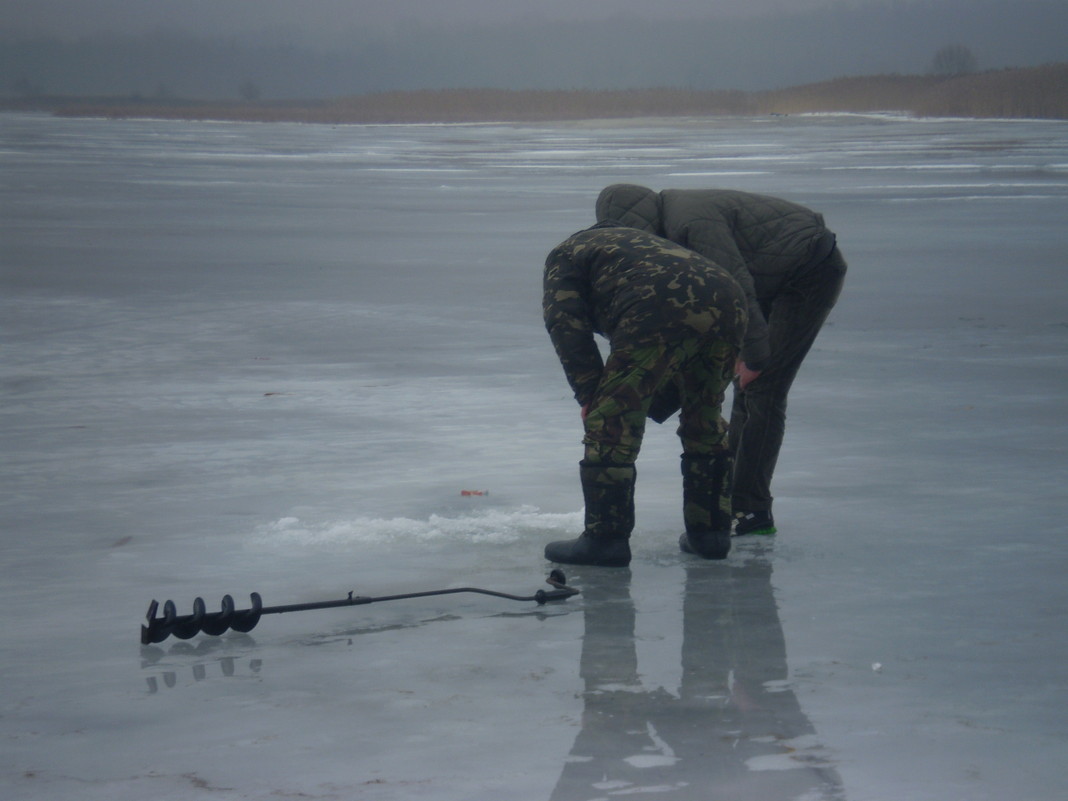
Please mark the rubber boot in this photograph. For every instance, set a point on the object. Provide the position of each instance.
(706, 505)
(609, 494)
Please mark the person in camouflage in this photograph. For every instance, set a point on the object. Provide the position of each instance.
(789, 265)
(673, 319)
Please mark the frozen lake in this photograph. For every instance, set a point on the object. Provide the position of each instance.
(241, 357)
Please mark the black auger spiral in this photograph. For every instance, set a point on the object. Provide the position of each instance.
(185, 627)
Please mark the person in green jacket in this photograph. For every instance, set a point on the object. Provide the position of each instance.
(673, 319)
(791, 270)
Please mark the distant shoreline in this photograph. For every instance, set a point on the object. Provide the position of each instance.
(1031, 93)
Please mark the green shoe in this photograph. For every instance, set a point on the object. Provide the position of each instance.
(753, 523)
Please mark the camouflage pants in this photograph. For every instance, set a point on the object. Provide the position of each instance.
(701, 370)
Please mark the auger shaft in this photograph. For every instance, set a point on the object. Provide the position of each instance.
(186, 627)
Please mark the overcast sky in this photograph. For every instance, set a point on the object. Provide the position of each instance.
(69, 18)
(330, 48)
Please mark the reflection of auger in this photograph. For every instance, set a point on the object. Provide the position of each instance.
(185, 627)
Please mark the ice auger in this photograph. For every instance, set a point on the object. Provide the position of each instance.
(186, 627)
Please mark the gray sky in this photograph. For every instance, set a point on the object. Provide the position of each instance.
(330, 48)
(315, 18)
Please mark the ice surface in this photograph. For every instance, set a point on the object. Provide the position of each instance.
(270, 358)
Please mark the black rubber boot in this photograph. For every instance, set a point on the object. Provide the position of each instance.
(609, 494)
(706, 505)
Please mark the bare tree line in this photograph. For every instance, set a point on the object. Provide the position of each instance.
(1037, 92)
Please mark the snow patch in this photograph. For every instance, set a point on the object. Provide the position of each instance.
(492, 526)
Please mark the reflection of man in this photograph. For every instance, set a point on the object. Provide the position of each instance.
(673, 319)
(789, 265)
(731, 731)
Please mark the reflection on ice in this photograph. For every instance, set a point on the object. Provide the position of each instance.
(205, 659)
(732, 726)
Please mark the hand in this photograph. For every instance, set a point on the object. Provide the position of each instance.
(585, 410)
(744, 375)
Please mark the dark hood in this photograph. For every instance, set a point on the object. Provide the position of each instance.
(631, 205)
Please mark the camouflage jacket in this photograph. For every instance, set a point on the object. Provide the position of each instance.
(762, 241)
(633, 288)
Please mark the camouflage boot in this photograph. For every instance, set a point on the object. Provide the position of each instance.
(706, 505)
(609, 494)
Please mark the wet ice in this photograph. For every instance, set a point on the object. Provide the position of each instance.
(270, 358)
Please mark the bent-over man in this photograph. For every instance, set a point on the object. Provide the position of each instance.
(789, 265)
(673, 319)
